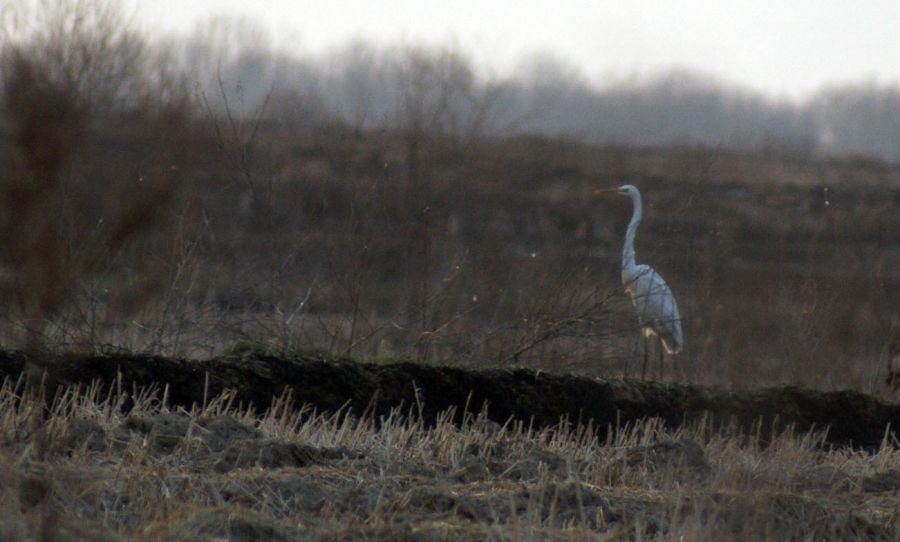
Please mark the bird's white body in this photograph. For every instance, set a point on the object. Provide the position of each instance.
(652, 298)
(655, 305)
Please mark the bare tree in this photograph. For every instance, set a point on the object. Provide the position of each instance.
(232, 62)
(87, 46)
(859, 119)
(68, 69)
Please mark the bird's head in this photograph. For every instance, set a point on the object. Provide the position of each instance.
(625, 190)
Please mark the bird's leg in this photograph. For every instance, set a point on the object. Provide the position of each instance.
(659, 348)
(682, 374)
(644, 368)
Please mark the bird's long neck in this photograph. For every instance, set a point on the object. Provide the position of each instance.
(628, 249)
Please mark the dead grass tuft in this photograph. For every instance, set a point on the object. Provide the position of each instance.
(95, 470)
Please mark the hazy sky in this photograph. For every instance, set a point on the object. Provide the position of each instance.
(786, 48)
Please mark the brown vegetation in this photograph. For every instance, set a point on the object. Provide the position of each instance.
(850, 419)
(157, 225)
(95, 472)
(325, 242)
(142, 224)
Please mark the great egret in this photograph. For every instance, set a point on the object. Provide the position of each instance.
(652, 298)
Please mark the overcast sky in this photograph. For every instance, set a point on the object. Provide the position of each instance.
(786, 48)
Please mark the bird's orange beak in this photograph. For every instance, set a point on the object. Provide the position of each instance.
(604, 191)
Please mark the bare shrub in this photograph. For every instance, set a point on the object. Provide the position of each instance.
(85, 46)
(73, 97)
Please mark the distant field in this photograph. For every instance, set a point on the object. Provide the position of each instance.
(479, 252)
(390, 204)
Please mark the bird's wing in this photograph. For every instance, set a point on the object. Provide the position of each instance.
(656, 306)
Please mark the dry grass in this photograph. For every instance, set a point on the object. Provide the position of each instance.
(85, 470)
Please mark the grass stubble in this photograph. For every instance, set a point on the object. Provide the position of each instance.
(88, 468)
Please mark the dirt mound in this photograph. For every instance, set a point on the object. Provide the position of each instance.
(537, 398)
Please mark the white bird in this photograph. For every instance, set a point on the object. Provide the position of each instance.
(652, 298)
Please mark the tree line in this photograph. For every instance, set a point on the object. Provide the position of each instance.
(232, 65)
